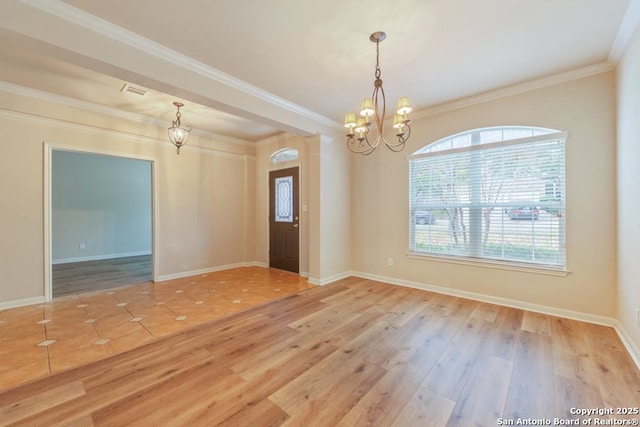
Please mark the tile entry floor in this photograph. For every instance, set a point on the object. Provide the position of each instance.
(42, 339)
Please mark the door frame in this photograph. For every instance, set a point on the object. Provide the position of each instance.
(284, 166)
(49, 148)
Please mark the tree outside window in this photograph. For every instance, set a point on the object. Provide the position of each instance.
(495, 193)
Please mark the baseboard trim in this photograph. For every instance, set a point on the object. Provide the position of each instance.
(543, 309)
(180, 275)
(99, 257)
(630, 346)
(632, 349)
(21, 302)
(330, 279)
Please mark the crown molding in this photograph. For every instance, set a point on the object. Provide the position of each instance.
(129, 38)
(121, 35)
(109, 111)
(74, 103)
(112, 133)
(69, 125)
(281, 137)
(515, 89)
(628, 26)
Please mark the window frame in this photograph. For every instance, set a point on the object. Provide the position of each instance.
(284, 155)
(475, 259)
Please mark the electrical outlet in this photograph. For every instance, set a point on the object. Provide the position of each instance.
(82, 246)
(390, 261)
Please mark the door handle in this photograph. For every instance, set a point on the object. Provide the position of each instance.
(295, 226)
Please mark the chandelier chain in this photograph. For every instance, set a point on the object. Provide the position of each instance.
(377, 60)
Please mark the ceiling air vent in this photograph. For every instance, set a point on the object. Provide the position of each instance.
(132, 89)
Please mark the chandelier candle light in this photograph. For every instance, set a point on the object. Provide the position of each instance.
(358, 129)
(178, 135)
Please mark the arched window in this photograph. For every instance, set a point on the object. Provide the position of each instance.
(494, 193)
(284, 155)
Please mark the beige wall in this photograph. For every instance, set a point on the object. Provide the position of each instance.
(335, 209)
(628, 91)
(264, 151)
(212, 203)
(324, 204)
(204, 198)
(586, 109)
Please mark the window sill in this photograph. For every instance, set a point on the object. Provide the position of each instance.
(487, 263)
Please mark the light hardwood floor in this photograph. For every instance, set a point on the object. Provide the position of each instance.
(356, 352)
(89, 276)
(42, 339)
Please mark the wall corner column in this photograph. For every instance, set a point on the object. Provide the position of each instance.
(329, 210)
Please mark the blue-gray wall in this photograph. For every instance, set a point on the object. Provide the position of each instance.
(101, 202)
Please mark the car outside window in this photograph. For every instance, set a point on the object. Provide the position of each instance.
(493, 194)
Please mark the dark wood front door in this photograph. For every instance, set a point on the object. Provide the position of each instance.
(284, 220)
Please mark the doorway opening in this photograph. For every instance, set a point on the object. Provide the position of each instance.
(99, 221)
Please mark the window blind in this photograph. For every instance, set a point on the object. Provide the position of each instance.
(503, 200)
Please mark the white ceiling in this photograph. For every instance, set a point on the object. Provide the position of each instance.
(250, 69)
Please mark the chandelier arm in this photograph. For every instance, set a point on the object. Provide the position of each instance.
(362, 144)
(367, 151)
(370, 146)
(351, 143)
(396, 148)
(363, 152)
(376, 142)
(408, 134)
(379, 118)
(399, 146)
(402, 140)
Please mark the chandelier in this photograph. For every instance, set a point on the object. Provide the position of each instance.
(358, 129)
(178, 135)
